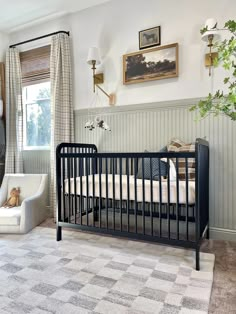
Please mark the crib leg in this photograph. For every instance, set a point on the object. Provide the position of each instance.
(59, 233)
(197, 258)
(208, 234)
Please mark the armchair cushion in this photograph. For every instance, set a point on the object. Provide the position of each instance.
(10, 216)
(28, 185)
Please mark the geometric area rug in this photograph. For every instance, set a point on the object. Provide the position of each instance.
(89, 273)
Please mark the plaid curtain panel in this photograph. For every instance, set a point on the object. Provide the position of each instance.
(14, 113)
(62, 123)
(179, 146)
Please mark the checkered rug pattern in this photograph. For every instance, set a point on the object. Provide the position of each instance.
(89, 273)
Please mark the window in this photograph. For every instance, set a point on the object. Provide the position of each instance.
(35, 69)
(36, 116)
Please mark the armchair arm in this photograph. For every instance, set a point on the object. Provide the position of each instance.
(33, 209)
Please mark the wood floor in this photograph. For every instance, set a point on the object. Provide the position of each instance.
(223, 298)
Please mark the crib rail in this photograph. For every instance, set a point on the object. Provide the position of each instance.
(117, 193)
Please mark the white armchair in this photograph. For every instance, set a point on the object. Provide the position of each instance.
(33, 197)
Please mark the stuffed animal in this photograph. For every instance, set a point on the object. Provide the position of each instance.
(14, 199)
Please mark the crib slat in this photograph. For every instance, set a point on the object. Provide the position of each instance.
(168, 195)
(58, 189)
(186, 186)
(128, 193)
(135, 192)
(151, 195)
(63, 185)
(75, 187)
(81, 189)
(177, 198)
(100, 191)
(116, 165)
(83, 167)
(113, 192)
(69, 189)
(106, 169)
(143, 191)
(93, 184)
(72, 196)
(160, 199)
(87, 191)
(120, 159)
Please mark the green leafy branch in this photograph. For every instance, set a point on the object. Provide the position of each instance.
(220, 103)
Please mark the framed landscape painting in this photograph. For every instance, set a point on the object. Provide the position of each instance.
(151, 64)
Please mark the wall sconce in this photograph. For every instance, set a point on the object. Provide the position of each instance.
(94, 59)
(208, 36)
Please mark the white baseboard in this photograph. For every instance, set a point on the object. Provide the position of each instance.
(222, 234)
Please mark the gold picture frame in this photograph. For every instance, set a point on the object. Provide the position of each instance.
(151, 64)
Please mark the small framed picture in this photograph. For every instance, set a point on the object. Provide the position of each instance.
(150, 37)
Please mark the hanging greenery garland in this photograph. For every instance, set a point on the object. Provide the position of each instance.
(220, 102)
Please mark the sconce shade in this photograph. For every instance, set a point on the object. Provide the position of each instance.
(211, 24)
(93, 55)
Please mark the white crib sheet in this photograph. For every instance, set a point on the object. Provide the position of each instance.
(124, 182)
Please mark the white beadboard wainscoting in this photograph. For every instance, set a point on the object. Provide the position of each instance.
(151, 126)
(37, 161)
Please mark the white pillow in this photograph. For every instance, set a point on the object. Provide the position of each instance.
(172, 170)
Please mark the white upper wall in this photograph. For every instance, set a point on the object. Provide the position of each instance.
(30, 12)
(114, 27)
(3, 46)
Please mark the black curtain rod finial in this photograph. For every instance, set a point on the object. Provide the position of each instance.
(37, 38)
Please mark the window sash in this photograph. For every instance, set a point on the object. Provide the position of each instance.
(25, 104)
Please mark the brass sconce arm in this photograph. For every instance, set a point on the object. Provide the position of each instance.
(99, 79)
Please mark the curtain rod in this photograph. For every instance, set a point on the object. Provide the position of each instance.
(37, 38)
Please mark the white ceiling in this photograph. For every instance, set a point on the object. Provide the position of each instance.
(20, 13)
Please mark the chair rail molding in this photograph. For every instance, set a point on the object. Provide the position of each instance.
(139, 107)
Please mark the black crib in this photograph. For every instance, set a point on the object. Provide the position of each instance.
(101, 192)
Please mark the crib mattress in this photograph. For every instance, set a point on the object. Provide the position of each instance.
(130, 181)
